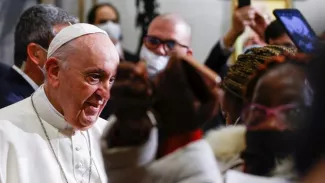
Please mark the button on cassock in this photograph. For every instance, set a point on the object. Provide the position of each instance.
(78, 148)
(79, 165)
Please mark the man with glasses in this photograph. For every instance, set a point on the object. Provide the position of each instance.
(166, 33)
(35, 29)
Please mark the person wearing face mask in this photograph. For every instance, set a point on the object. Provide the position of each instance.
(35, 29)
(273, 121)
(227, 142)
(107, 17)
(166, 33)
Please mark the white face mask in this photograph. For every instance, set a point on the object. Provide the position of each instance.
(42, 70)
(155, 63)
(112, 29)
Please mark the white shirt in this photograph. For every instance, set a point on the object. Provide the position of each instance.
(26, 77)
(25, 154)
(239, 177)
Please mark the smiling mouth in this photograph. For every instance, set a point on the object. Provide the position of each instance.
(94, 107)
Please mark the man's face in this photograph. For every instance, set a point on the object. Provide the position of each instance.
(164, 30)
(283, 40)
(85, 81)
(104, 14)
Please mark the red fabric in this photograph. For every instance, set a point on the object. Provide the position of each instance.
(177, 141)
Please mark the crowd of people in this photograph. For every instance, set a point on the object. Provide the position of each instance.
(78, 107)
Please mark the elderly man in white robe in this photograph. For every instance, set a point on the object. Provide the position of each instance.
(53, 136)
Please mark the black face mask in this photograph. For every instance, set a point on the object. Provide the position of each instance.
(264, 148)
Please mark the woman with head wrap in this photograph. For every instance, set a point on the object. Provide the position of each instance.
(228, 143)
(279, 102)
(235, 82)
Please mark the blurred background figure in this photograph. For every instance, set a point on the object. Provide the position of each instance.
(309, 158)
(273, 121)
(228, 142)
(107, 17)
(275, 34)
(238, 76)
(36, 28)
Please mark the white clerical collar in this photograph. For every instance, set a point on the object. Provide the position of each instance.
(47, 111)
(26, 77)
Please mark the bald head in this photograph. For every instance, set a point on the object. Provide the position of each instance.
(174, 26)
(171, 27)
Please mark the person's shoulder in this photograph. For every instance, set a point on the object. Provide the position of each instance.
(199, 152)
(17, 112)
(8, 93)
(194, 163)
(4, 69)
(239, 177)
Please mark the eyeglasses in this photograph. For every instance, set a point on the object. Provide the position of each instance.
(153, 42)
(287, 116)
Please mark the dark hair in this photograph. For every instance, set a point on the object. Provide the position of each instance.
(273, 31)
(36, 26)
(91, 17)
(311, 149)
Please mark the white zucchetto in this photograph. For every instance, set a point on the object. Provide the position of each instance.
(70, 33)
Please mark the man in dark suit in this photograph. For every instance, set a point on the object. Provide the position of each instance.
(4, 69)
(35, 29)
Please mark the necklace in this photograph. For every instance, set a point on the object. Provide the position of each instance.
(52, 149)
(237, 121)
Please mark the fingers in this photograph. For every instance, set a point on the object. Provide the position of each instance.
(245, 14)
(250, 16)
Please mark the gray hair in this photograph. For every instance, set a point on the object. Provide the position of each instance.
(36, 26)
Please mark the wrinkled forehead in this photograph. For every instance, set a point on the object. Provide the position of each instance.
(281, 85)
(93, 50)
(170, 30)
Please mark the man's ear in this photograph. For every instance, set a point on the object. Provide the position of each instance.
(52, 71)
(35, 53)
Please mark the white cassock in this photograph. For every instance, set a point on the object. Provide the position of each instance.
(25, 154)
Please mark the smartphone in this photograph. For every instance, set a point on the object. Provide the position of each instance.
(297, 29)
(243, 3)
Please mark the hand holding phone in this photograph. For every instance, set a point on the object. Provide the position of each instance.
(297, 29)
